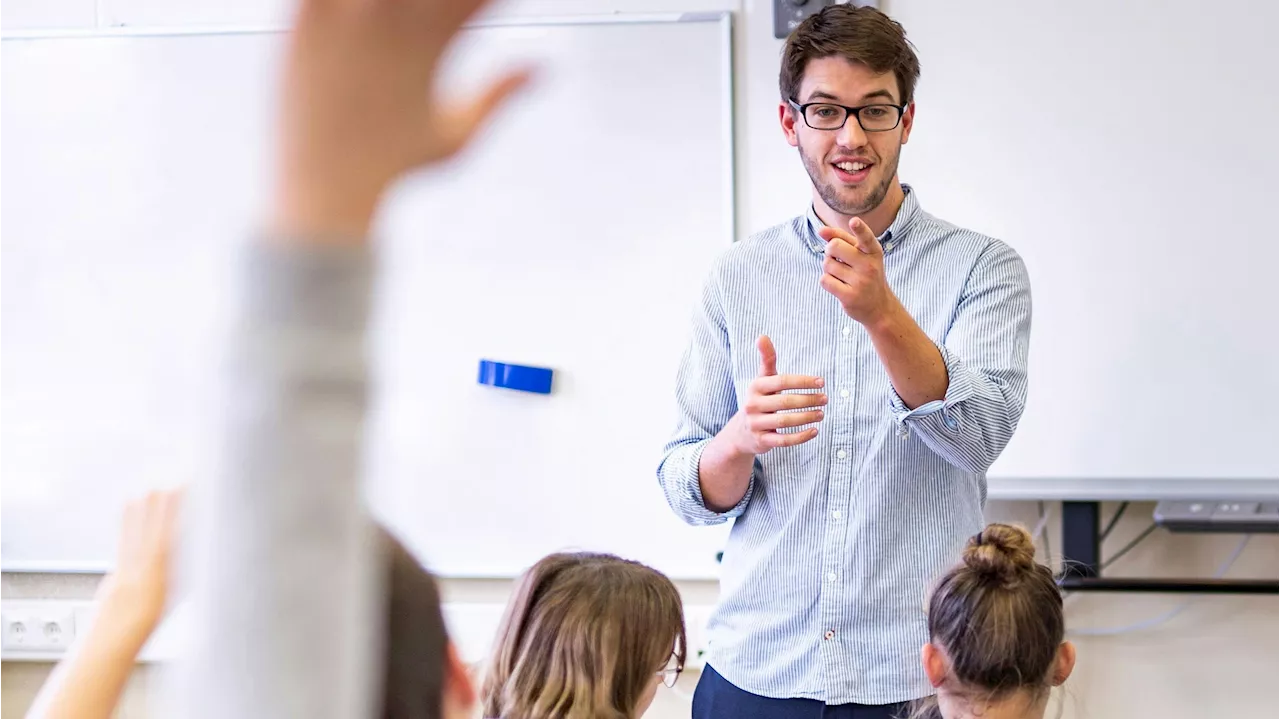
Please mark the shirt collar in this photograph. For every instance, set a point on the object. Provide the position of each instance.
(891, 238)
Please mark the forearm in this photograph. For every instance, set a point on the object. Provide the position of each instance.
(967, 405)
(90, 681)
(724, 472)
(912, 360)
(289, 580)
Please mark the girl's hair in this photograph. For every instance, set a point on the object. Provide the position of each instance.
(415, 640)
(998, 617)
(583, 638)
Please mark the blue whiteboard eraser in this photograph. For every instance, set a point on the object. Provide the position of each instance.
(514, 376)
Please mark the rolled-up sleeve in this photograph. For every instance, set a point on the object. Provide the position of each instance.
(705, 402)
(985, 351)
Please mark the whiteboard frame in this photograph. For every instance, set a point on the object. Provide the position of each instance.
(1133, 489)
(513, 21)
(730, 204)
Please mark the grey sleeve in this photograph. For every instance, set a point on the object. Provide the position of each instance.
(284, 584)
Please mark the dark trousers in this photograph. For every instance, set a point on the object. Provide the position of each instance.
(716, 698)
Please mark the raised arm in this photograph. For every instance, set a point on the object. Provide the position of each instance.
(965, 395)
(985, 355)
(88, 683)
(288, 587)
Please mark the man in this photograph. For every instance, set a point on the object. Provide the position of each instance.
(852, 375)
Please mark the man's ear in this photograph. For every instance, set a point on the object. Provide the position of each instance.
(788, 117)
(1063, 663)
(908, 120)
(935, 664)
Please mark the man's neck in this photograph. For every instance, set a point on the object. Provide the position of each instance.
(1018, 706)
(878, 218)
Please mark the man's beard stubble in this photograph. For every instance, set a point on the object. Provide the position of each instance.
(830, 192)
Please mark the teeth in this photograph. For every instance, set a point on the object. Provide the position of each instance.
(851, 166)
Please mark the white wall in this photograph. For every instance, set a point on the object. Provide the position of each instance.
(34, 15)
(1218, 658)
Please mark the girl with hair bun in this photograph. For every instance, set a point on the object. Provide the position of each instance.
(995, 632)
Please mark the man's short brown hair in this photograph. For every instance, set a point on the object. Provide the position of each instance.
(861, 35)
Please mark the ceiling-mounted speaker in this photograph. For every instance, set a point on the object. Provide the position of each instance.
(787, 14)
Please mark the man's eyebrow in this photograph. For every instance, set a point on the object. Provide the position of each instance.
(821, 95)
(873, 95)
(879, 94)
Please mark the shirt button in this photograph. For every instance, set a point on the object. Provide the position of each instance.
(840, 454)
(847, 330)
(952, 423)
(836, 514)
(829, 635)
(831, 577)
(844, 393)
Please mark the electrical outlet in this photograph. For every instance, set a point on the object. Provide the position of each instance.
(48, 630)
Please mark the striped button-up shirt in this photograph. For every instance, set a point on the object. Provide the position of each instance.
(828, 565)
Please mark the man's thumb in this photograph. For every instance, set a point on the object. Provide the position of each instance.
(768, 357)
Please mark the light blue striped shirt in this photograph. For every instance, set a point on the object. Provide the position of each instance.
(833, 547)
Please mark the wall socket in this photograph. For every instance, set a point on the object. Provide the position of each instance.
(787, 14)
(45, 629)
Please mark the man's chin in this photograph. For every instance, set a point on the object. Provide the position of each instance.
(851, 203)
(854, 200)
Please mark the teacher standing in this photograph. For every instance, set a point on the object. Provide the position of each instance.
(852, 374)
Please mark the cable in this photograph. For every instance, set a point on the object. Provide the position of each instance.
(1042, 531)
(1112, 524)
(1042, 521)
(1161, 619)
(1136, 540)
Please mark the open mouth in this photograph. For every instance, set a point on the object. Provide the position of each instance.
(852, 171)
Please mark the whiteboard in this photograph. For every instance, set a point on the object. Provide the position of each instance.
(1150, 238)
(574, 235)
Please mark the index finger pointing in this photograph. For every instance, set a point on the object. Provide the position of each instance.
(842, 245)
(864, 238)
(844, 248)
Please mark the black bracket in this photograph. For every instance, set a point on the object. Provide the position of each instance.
(787, 14)
(1082, 562)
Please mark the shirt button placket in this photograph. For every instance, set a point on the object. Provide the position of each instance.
(841, 483)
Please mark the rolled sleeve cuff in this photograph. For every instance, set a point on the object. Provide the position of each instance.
(961, 385)
(685, 491)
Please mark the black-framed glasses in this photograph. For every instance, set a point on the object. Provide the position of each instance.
(829, 116)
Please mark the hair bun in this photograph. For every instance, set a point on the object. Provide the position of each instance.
(1001, 552)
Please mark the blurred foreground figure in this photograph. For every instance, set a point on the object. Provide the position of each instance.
(290, 577)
